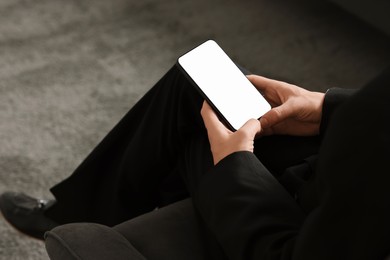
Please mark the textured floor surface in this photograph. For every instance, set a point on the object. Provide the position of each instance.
(69, 70)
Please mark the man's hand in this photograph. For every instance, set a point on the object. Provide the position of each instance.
(296, 111)
(223, 141)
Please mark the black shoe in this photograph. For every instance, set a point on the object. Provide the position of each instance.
(26, 213)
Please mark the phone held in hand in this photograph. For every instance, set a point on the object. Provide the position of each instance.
(228, 91)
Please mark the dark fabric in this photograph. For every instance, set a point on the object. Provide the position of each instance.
(172, 232)
(278, 153)
(351, 221)
(253, 216)
(129, 172)
(333, 98)
(250, 211)
(84, 241)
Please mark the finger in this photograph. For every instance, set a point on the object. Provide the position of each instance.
(267, 131)
(210, 119)
(208, 114)
(291, 127)
(275, 116)
(262, 83)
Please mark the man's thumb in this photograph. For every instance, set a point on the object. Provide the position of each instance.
(274, 116)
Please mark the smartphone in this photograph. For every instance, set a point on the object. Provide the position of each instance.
(223, 85)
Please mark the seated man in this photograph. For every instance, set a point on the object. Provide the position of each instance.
(307, 181)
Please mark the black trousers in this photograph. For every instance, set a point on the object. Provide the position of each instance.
(154, 157)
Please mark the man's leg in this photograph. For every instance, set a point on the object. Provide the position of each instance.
(135, 168)
(172, 232)
(124, 176)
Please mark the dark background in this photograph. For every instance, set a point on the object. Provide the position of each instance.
(69, 70)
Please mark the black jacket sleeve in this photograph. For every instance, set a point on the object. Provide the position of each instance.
(334, 97)
(251, 214)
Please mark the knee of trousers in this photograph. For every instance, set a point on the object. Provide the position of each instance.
(88, 241)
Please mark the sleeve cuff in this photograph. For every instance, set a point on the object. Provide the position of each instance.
(334, 97)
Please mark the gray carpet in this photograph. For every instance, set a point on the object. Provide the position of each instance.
(69, 70)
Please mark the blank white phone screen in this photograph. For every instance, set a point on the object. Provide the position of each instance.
(222, 82)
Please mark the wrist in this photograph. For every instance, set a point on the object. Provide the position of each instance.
(318, 102)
